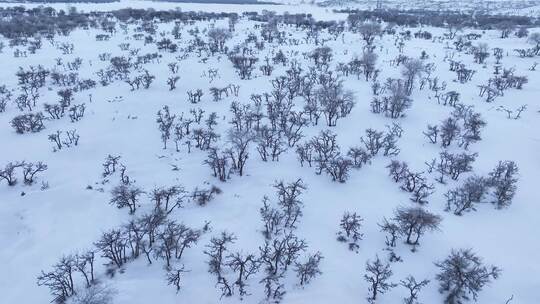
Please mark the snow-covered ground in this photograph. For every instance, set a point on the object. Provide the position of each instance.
(37, 228)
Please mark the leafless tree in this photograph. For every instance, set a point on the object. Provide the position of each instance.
(217, 252)
(350, 230)
(174, 277)
(414, 222)
(504, 179)
(239, 152)
(8, 173)
(464, 198)
(378, 275)
(30, 170)
(165, 122)
(60, 280)
(413, 287)
(167, 199)
(244, 265)
(462, 275)
(308, 270)
(126, 196)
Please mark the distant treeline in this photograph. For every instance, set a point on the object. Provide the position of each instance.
(220, 1)
(60, 1)
(178, 1)
(418, 17)
(19, 21)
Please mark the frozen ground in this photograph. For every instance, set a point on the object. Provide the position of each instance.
(40, 226)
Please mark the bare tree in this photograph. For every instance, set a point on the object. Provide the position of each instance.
(335, 102)
(289, 201)
(167, 199)
(368, 31)
(239, 152)
(126, 196)
(462, 275)
(171, 82)
(173, 239)
(413, 287)
(270, 143)
(480, 53)
(503, 179)
(274, 289)
(243, 65)
(245, 265)
(174, 277)
(412, 70)
(378, 275)
(309, 270)
(278, 254)
(350, 230)
(217, 252)
(464, 198)
(165, 122)
(5, 97)
(30, 122)
(326, 149)
(112, 246)
(219, 163)
(84, 263)
(60, 280)
(30, 170)
(392, 230)
(272, 218)
(449, 131)
(95, 294)
(339, 168)
(218, 37)
(8, 173)
(414, 222)
(109, 166)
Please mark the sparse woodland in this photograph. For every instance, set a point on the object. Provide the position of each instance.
(204, 157)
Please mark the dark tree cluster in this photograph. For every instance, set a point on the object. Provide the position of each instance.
(396, 102)
(497, 85)
(376, 141)
(187, 131)
(378, 275)
(29, 171)
(463, 127)
(499, 185)
(61, 139)
(30, 122)
(463, 275)
(30, 81)
(452, 165)
(350, 225)
(62, 278)
(202, 196)
(324, 153)
(410, 223)
(413, 182)
(5, 97)
(151, 235)
(282, 247)
(126, 195)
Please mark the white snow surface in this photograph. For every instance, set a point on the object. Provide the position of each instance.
(39, 227)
